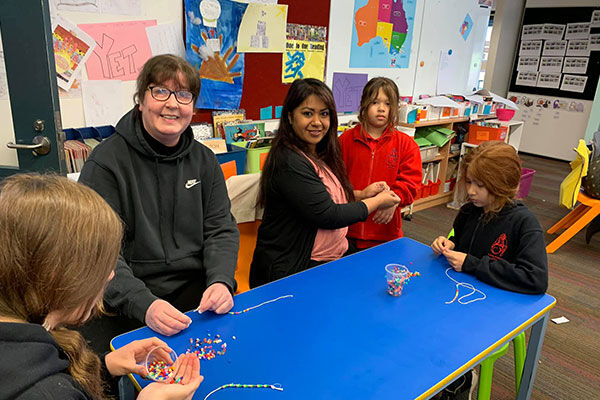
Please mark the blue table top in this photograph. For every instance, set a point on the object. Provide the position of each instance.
(343, 335)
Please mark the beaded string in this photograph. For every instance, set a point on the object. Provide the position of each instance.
(468, 286)
(261, 304)
(275, 386)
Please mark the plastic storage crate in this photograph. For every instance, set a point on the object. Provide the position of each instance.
(525, 185)
(236, 153)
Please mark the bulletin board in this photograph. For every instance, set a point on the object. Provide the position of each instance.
(562, 16)
(436, 29)
(262, 75)
(339, 47)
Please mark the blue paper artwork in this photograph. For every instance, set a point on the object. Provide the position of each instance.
(382, 33)
(211, 47)
(465, 28)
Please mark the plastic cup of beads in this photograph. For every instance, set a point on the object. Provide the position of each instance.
(396, 275)
(160, 364)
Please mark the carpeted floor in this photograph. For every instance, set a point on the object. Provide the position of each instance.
(570, 361)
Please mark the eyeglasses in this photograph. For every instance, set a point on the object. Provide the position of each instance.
(162, 94)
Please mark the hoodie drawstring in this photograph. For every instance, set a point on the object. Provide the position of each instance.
(175, 198)
(160, 215)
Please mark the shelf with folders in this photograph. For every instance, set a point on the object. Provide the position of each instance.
(434, 193)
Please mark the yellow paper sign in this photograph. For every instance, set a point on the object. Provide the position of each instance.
(263, 29)
(303, 59)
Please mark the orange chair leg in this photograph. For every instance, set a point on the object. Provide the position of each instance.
(573, 229)
(569, 219)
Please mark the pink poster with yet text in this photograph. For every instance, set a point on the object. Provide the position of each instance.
(121, 49)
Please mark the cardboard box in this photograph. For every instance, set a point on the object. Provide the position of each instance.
(479, 134)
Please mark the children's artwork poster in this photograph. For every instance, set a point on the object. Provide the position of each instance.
(100, 104)
(3, 79)
(465, 27)
(129, 7)
(121, 49)
(263, 29)
(166, 39)
(382, 33)
(347, 90)
(72, 48)
(305, 52)
(211, 47)
(303, 59)
(258, 1)
(243, 131)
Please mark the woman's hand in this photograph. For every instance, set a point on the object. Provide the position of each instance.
(186, 380)
(372, 190)
(384, 215)
(126, 359)
(165, 319)
(384, 199)
(387, 199)
(442, 243)
(217, 298)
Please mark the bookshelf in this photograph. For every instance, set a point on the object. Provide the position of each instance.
(443, 157)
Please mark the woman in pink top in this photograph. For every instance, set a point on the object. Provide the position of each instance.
(308, 199)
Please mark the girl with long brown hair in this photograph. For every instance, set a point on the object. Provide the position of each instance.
(59, 243)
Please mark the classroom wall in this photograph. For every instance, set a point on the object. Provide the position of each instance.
(594, 121)
(436, 27)
(436, 30)
(503, 43)
(71, 109)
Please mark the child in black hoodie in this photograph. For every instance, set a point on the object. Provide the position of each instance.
(59, 243)
(496, 238)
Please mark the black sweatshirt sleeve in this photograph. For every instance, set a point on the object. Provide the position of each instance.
(529, 271)
(302, 188)
(125, 292)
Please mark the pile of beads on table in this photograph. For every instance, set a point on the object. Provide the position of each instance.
(159, 371)
(397, 276)
(203, 348)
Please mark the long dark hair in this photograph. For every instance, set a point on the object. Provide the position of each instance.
(327, 150)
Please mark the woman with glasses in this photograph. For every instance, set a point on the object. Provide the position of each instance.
(180, 245)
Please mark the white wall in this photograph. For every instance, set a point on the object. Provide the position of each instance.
(71, 109)
(436, 29)
(503, 44)
(341, 18)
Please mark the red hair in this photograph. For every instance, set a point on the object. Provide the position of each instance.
(498, 167)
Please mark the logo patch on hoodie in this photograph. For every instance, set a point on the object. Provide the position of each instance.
(191, 183)
(392, 160)
(498, 248)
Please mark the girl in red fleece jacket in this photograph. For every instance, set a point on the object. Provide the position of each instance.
(375, 151)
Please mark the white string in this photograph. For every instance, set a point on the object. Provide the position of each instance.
(261, 304)
(466, 285)
(276, 386)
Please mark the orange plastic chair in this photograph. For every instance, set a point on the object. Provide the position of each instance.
(248, 234)
(229, 169)
(574, 221)
(262, 159)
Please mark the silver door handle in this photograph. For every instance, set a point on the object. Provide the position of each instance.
(40, 146)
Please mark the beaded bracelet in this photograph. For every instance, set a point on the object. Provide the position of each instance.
(275, 386)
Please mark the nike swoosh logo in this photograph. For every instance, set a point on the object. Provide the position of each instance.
(191, 184)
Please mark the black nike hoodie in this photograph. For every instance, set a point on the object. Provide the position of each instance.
(176, 211)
